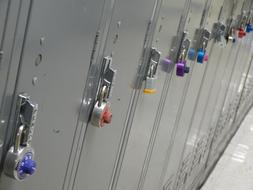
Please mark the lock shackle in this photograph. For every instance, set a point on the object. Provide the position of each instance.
(102, 95)
(18, 138)
(182, 55)
(151, 71)
(204, 46)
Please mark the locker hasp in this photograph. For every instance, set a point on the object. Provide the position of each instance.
(101, 113)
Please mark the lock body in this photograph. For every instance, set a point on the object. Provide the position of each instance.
(101, 115)
(20, 164)
(150, 85)
(201, 56)
(192, 54)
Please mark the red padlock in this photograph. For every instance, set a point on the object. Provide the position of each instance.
(241, 33)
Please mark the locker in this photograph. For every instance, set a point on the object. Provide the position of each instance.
(102, 151)
(246, 102)
(197, 139)
(220, 85)
(12, 28)
(172, 106)
(149, 106)
(186, 158)
(52, 56)
(120, 94)
(228, 107)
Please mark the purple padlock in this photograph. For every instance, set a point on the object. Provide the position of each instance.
(181, 68)
(166, 65)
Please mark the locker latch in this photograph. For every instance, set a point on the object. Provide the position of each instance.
(150, 79)
(218, 33)
(101, 113)
(19, 162)
(181, 65)
(230, 32)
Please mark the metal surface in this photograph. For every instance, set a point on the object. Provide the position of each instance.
(53, 63)
(184, 84)
(149, 107)
(128, 42)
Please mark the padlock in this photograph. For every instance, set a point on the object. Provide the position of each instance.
(19, 162)
(150, 85)
(249, 28)
(182, 68)
(150, 77)
(101, 115)
(166, 65)
(206, 57)
(200, 56)
(241, 33)
(192, 54)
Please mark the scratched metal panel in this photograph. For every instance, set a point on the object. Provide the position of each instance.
(12, 22)
(61, 33)
(103, 149)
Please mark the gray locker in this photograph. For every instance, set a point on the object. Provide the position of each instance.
(12, 30)
(149, 106)
(53, 58)
(102, 150)
(197, 140)
(229, 106)
(184, 159)
(172, 106)
(217, 99)
(130, 94)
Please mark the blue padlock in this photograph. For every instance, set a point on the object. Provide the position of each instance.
(201, 56)
(191, 54)
(249, 28)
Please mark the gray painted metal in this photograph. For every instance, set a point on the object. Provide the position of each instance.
(103, 149)
(53, 50)
(62, 33)
(149, 107)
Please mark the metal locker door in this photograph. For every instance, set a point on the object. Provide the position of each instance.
(213, 121)
(172, 106)
(233, 95)
(194, 147)
(53, 66)
(246, 58)
(207, 101)
(197, 84)
(128, 43)
(149, 105)
(197, 138)
(215, 124)
(12, 22)
(246, 99)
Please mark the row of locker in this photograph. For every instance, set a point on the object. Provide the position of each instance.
(120, 95)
